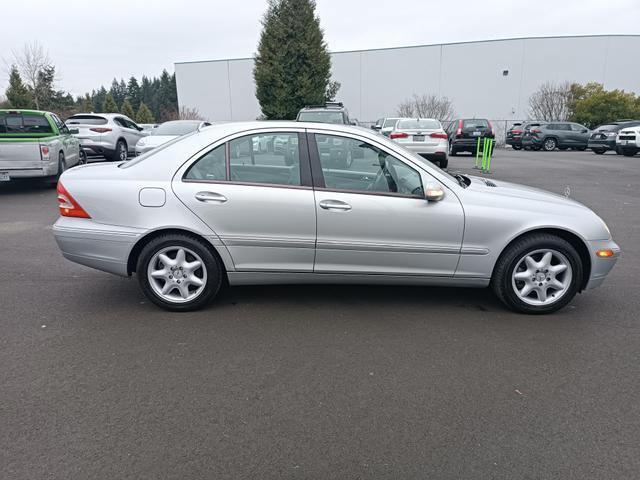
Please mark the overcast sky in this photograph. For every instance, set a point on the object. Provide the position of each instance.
(91, 42)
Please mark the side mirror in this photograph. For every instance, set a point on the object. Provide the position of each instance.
(74, 131)
(434, 192)
(585, 131)
(375, 127)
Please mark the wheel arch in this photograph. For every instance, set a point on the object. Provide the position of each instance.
(134, 254)
(575, 240)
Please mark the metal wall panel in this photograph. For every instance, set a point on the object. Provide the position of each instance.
(374, 82)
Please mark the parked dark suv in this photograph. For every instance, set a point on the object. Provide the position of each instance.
(517, 130)
(603, 137)
(330, 112)
(464, 133)
(554, 135)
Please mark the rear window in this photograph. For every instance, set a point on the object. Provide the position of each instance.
(476, 122)
(86, 120)
(413, 124)
(321, 117)
(390, 122)
(24, 123)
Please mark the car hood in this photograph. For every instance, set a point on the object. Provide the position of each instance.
(156, 140)
(522, 192)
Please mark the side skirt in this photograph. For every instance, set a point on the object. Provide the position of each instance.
(271, 278)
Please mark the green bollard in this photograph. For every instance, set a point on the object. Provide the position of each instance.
(484, 154)
(490, 154)
(478, 155)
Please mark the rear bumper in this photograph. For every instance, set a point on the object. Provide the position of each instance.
(97, 147)
(514, 141)
(469, 144)
(600, 267)
(606, 144)
(103, 247)
(33, 169)
(426, 150)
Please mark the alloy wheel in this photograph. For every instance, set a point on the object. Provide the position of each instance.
(541, 277)
(177, 274)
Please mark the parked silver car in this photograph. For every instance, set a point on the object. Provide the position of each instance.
(167, 131)
(189, 214)
(110, 134)
(424, 136)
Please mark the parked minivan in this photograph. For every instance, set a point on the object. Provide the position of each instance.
(554, 135)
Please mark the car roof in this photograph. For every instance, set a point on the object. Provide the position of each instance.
(104, 115)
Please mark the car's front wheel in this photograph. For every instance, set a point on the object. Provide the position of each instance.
(179, 272)
(598, 151)
(540, 273)
(516, 147)
(627, 152)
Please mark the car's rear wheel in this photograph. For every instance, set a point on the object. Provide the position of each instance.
(540, 273)
(549, 144)
(516, 147)
(179, 272)
(452, 151)
(82, 157)
(598, 151)
(628, 153)
(443, 163)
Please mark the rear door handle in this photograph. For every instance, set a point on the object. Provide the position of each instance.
(210, 197)
(334, 205)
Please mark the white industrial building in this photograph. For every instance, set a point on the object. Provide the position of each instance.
(491, 79)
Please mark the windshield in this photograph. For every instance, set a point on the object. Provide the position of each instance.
(175, 128)
(322, 116)
(419, 124)
(390, 122)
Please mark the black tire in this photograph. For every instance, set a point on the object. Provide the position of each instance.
(120, 154)
(452, 151)
(62, 166)
(82, 157)
(444, 163)
(628, 153)
(501, 280)
(598, 151)
(214, 269)
(549, 144)
(536, 148)
(516, 147)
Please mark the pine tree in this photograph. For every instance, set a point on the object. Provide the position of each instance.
(133, 93)
(17, 93)
(293, 66)
(109, 105)
(127, 109)
(98, 100)
(144, 114)
(87, 104)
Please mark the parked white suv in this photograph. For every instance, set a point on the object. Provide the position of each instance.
(628, 141)
(110, 134)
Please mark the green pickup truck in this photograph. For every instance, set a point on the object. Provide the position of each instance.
(35, 144)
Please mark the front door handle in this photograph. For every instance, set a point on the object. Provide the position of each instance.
(334, 205)
(210, 197)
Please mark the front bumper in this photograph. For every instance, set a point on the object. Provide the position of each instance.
(103, 247)
(599, 144)
(600, 267)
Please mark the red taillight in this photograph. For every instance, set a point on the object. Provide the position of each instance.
(398, 135)
(516, 132)
(491, 127)
(438, 135)
(100, 129)
(535, 130)
(44, 152)
(459, 131)
(68, 205)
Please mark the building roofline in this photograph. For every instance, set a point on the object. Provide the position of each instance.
(434, 45)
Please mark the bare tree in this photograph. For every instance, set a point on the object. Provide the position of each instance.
(31, 61)
(427, 106)
(187, 113)
(551, 102)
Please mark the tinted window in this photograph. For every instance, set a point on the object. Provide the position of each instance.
(211, 166)
(175, 128)
(19, 123)
(416, 123)
(578, 128)
(350, 164)
(475, 123)
(608, 128)
(270, 158)
(86, 120)
(321, 117)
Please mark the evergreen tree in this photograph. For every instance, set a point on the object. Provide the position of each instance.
(17, 93)
(99, 99)
(133, 93)
(87, 104)
(144, 115)
(167, 104)
(109, 105)
(127, 109)
(292, 67)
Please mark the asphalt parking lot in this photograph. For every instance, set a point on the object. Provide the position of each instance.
(320, 381)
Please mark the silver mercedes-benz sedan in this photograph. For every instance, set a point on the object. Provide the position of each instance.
(209, 206)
